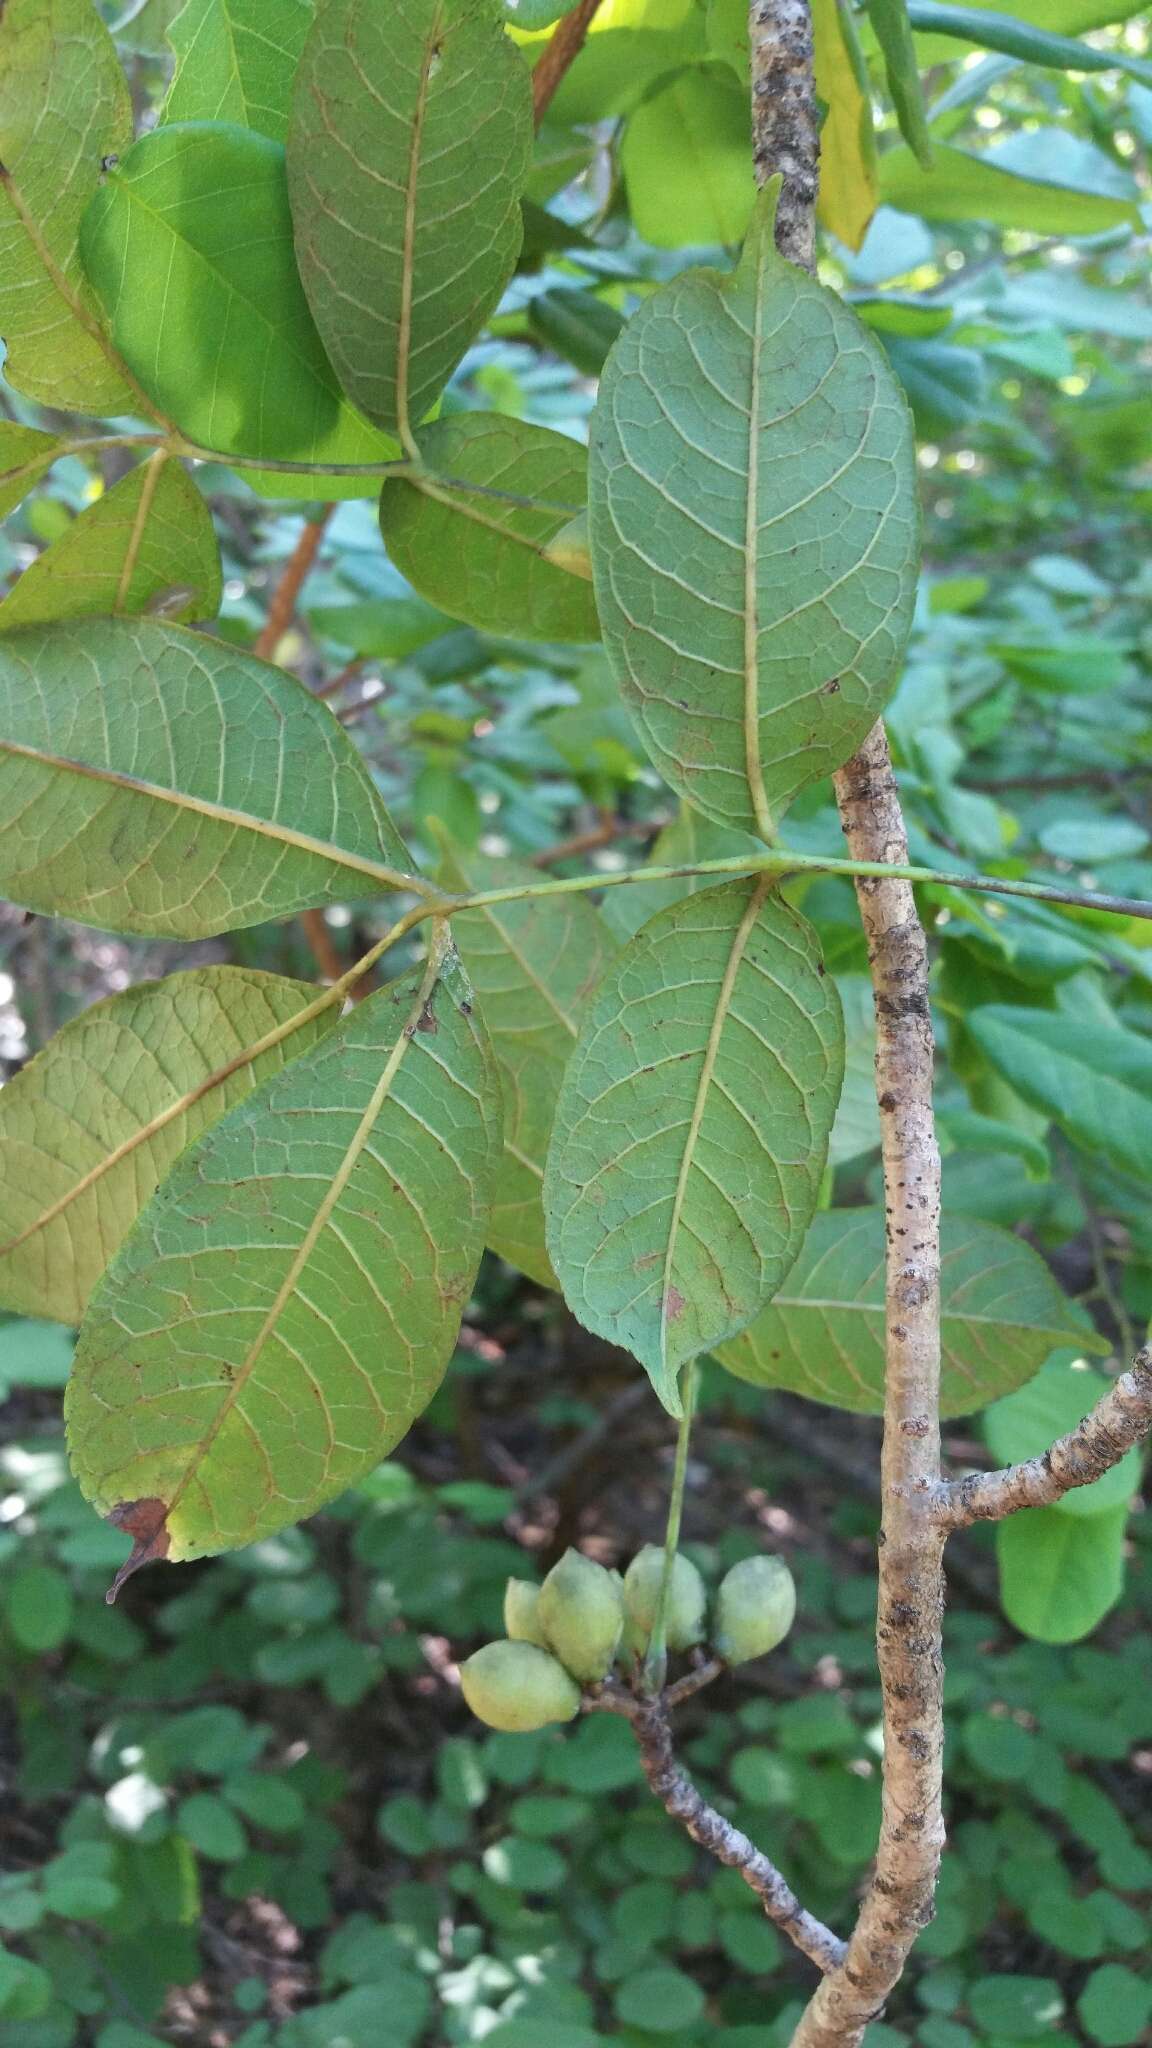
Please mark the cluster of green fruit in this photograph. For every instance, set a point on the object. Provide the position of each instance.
(570, 1631)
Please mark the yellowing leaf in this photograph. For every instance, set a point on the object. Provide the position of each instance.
(752, 511)
(692, 1127)
(148, 542)
(64, 107)
(286, 1304)
(409, 143)
(849, 186)
(90, 1127)
(154, 780)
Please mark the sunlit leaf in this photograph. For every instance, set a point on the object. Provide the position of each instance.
(146, 543)
(189, 246)
(26, 455)
(848, 177)
(893, 31)
(687, 161)
(479, 553)
(961, 187)
(692, 1127)
(286, 1303)
(64, 107)
(235, 60)
(154, 780)
(409, 143)
(534, 965)
(754, 534)
(823, 1335)
(91, 1126)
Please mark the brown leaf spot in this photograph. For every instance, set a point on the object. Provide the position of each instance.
(674, 1304)
(145, 1521)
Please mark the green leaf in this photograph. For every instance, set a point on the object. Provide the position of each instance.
(409, 143)
(966, 187)
(286, 1303)
(1059, 1574)
(1097, 1084)
(38, 1607)
(1023, 39)
(823, 1335)
(692, 1127)
(64, 107)
(577, 325)
(90, 1127)
(33, 1354)
(848, 164)
(25, 456)
(211, 1827)
(147, 542)
(856, 1130)
(189, 247)
(1115, 2006)
(660, 2000)
(1026, 1423)
(479, 552)
(687, 160)
(1023, 2008)
(689, 839)
(754, 531)
(381, 628)
(534, 965)
(889, 19)
(152, 736)
(235, 61)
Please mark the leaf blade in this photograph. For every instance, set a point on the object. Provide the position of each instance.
(656, 1096)
(421, 95)
(1096, 1084)
(238, 1268)
(751, 668)
(152, 735)
(89, 1128)
(235, 61)
(823, 1335)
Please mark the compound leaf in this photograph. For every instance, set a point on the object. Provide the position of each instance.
(90, 1127)
(154, 780)
(534, 965)
(64, 107)
(692, 1126)
(286, 1303)
(480, 553)
(823, 1335)
(189, 247)
(409, 143)
(752, 509)
(235, 61)
(147, 542)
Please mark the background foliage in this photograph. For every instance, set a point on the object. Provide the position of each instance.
(247, 1806)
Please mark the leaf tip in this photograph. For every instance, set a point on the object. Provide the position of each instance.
(146, 1521)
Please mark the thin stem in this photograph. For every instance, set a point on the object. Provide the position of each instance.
(282, 604)
(656, 1658)
(561, 51)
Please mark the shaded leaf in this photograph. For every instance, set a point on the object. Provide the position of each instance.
(961, 186)
(692, 1127)
(409, 143)
(848, 175)
(857, 1126)
(687, 161)
(1097, 1084)
(534, 965)
(120, 738)
(285, 1305)
(64, 107)
(1058, 1576)
(993, 30)
(689, 839)
(90, 1127)
(577, 324)
(235, 61)
(148, 541)
(189, 246)
(823, 1335)
(754, 535)
(480, 553)
(25, 456)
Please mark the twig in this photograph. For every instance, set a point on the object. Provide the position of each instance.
(680, 1798)
(1121, 1418)
(325, 951)
(899, 1899)
(282, 605)
(606, 833)
(558, 54)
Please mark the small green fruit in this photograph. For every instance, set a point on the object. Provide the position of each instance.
(521, 1620)
(687, 1600)
(755, 1608)
(582, 1615)
(516, 1687)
